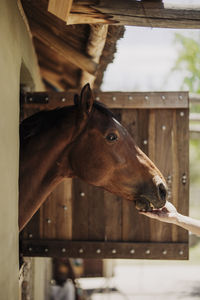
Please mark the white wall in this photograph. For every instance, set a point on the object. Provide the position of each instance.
(15, 48)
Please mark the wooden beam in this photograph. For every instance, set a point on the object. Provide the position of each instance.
(135, 13)
(126, 100)
(60, 8)
(69, 53)
(52, 78)
(90, 249)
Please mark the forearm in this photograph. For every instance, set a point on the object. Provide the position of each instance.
(188, 223)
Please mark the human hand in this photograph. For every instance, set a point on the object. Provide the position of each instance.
(167, 214)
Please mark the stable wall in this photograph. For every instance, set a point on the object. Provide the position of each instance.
(18, 64)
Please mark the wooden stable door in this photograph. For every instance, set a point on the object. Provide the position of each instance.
(79, 220)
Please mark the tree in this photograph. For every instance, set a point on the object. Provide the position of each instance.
(188, 61)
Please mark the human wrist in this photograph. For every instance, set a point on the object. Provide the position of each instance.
(178, 219)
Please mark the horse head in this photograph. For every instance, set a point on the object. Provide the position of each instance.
(105, 155)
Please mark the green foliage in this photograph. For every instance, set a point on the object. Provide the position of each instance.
(188, 61)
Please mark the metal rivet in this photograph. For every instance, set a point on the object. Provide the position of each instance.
(181, 252)
(114, 98)
(98, 251)
(64, 207)
(163, 97)
(169, 179)
(46, 250)
(30, 249)
(97, 98)
(30, 235)
(63, 250)
(132, 251)
(184, 178)
(164, 252)
(147, 251)
(181, 97)
(114, 251)
(146, 97)
(82, 194)
(145, 142)
(182, 114)
(163, 127)
(130, 98)
(63, 99)
(49, 221)
(80, 250)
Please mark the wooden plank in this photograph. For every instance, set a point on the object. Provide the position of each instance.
(182, 121)
(85, 249)
(162, 143)
(96, 218)
(114, 100)
(113, 217)
(60, 8)
(56, 213)
(134, 13)
(80, 210)
(71, 54)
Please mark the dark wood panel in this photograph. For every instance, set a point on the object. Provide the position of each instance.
(56, 213)
(80, 211)
(113, 217)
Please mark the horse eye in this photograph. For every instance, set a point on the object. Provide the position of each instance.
(111, 137)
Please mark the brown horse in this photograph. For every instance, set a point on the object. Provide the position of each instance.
(86, 141)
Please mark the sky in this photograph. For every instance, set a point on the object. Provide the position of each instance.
(144, 61)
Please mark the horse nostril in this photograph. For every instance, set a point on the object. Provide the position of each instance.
(162, 192)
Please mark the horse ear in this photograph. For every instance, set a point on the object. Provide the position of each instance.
(87, 99)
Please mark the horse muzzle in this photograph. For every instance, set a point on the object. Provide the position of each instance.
(152, 198)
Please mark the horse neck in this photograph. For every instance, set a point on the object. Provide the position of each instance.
(44, 164)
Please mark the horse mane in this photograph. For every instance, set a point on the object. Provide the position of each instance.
(42, 120)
